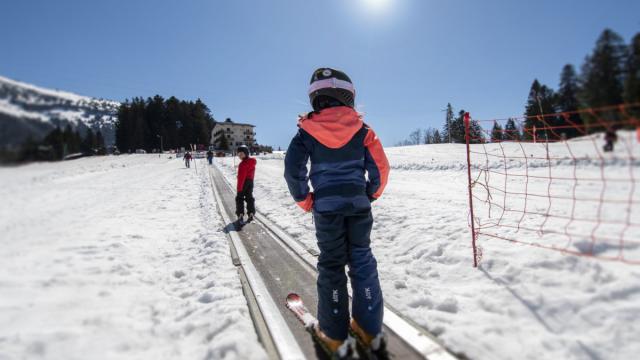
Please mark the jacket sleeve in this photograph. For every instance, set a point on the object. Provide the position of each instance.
(376, 164)
(242, 176)
(295, 168)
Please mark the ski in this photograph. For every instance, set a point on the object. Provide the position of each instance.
(297, 307)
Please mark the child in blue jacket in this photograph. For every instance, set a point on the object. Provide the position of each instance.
(349, 170)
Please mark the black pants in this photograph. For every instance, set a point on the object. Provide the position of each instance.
(608, 146)
(246, 195)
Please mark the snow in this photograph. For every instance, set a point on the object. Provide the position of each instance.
(73, 116)
(117, 257)
(125, 257)
(8, 108)
(29, 103)
(50, 92)
(522, 302)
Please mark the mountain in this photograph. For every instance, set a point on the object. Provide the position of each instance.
(31, 111)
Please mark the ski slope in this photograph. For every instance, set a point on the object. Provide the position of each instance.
(125, 257)
(523, 302)
(117, 258)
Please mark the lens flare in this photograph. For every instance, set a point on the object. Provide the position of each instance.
(377, 5)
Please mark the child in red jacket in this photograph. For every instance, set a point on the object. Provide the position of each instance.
(246, 173)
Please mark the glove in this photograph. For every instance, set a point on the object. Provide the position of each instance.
(306, 204)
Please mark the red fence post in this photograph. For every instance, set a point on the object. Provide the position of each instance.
(467, 136)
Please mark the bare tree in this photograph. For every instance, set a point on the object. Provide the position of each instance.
(415, 137)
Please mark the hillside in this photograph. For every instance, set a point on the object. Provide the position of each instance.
(28, 110)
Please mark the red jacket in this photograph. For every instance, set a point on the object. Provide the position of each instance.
(246, 171)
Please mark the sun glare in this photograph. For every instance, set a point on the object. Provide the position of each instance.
(376, 5)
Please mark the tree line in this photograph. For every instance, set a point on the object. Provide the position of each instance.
(155, 122)
(58, 144)
(610, 75)
(453, 131)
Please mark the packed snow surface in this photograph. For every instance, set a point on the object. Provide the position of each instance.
(125, 257)
(117, 258)
(522, 302)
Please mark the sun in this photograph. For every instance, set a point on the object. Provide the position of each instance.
(377, 5)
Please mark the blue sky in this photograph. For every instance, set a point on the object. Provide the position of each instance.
(252, 60)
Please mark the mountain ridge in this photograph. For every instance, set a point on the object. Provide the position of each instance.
(30, 111)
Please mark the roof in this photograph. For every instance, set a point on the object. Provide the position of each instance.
(229, 122)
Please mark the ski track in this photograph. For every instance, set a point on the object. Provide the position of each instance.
(117, 257)
(522, 303)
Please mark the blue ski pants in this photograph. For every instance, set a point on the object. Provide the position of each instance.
(344, 240)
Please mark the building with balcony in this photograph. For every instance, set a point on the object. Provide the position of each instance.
(232, 134)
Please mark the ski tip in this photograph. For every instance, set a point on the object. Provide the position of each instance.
(292, 298)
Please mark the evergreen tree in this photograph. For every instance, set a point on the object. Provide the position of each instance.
(100, 146)
(476, 134)
(121, 124)
(456, 130)
(567, 101)
(55, 139)
(632, 79)
(203, 121)
(155, 117)
(89, 141)
(540, 104)
(511, 131)
(436, 137)
(180, 123)
(497, 133)
(224, 143)
(31, 150)
(602, 72)
(77, 142)
(221, 141)
(71, 140)
(446, 131)
(175, 138)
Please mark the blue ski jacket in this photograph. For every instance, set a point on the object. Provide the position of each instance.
(349, 168)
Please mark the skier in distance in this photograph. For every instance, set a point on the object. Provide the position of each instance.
(246, 174)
